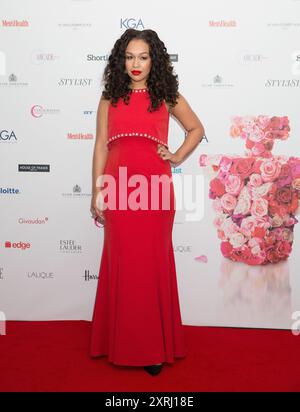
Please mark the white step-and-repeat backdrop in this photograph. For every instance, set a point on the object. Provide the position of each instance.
(236, 240)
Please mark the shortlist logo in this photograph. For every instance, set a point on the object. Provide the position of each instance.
(2, 323)
(296, 63)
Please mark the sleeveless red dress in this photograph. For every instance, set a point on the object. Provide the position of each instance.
(136, 318)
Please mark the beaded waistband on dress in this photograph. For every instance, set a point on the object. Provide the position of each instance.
(137, 134)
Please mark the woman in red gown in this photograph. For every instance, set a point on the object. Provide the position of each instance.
(136, 318)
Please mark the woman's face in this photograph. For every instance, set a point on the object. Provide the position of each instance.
(137, 62)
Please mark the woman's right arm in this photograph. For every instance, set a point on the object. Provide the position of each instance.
(100, 153)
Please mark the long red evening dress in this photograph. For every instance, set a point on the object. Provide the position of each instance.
(136, 318)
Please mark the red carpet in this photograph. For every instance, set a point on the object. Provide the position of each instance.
(53, 356)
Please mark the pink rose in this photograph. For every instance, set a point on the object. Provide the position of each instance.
(233, 184)
(259, 207)
(202, 160)
(255, 180)
(296, 183)
(243, 206)
(237, 239)
(228, 202)
(270, 170)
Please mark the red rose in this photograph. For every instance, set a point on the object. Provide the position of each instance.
(217, 188)
(242, 167)
(284, 194)
(259, 232)
(226, 249)
(283, 248)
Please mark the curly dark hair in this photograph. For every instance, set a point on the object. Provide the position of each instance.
(162, 83)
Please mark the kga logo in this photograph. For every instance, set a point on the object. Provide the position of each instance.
(19, 245)
(131, 23)
(296, 325)
(2, 323)
(5, 135)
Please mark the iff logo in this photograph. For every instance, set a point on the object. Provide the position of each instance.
(296, 325)
(2, 323)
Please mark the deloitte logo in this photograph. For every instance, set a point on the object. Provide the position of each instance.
(9, 191)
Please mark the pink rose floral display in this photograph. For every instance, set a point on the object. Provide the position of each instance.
(256, 196)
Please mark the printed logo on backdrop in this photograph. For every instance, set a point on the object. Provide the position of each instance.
(98, 58)
(89, 112)
(285, 25)
(296, 63)
(218, 82)
(1, 274)
(69, 246)
(87, 276)
(77, 82)
(80, 136)
(12, 81)
(2, 63)
(173, 57)
(74, 26)
(131, 23)
(33, 168)
(246, 57)
(40, 275)
(182, 248)
(15, 23)
(38, 111)
(7, 136)
(9, 191)
(282, 83)
(77, 192)
(222, 23)
(17, 245)
(41, 57)
(33, 221)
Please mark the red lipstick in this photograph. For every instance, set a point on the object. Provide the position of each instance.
(136, 72)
